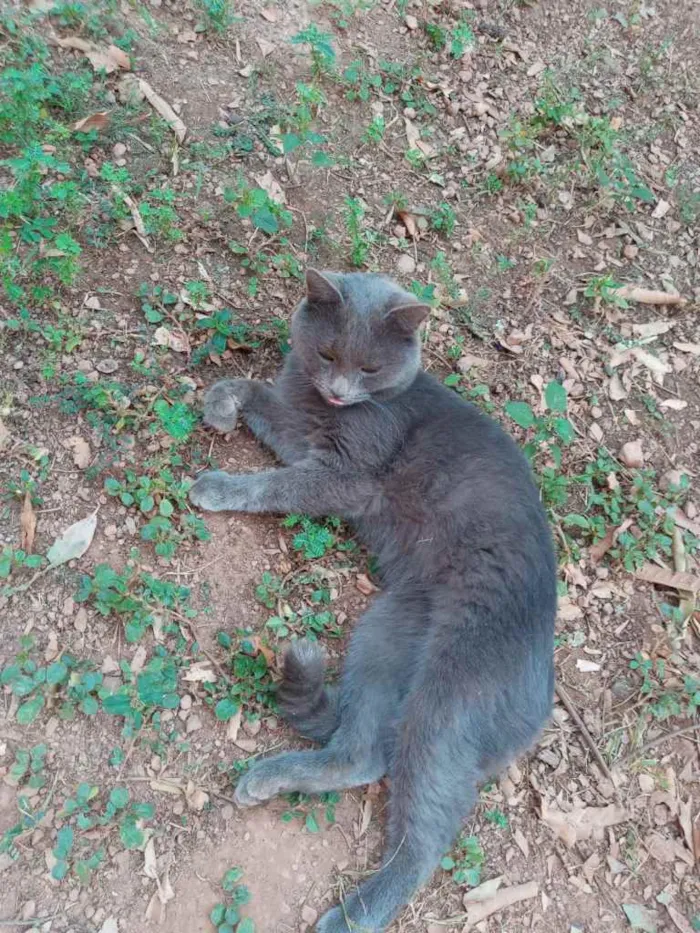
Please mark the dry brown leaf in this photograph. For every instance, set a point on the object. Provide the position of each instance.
(271, 187)
(650, 361)
(684, 347)
(632, 455)
(679, 921)
(82, 455)
(675, 404)
(164, 337)
(409, 222)
(234, 725)
(196, 798)
(166, 787)
(109, 58)
(653, 328)
(97, 121)
(269, 13)
(616, 390)
(266, 48)
(268, 653)
(164, 109)
(661, 576)
(504, 898)
(598, 550)
(580, 823)
(4, 436)
(412, 133)
(365, 585)
(685, 818)
(648, 296)
(483, 892)
(150, 863)
(200, 673)
(27, 524)
(365, 817)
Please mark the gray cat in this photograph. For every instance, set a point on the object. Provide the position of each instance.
(449, 674)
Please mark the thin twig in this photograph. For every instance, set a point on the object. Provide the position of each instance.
(637, 753)
(586, 735)
(32, 921)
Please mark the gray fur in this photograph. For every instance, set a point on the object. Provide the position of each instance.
(449, 674)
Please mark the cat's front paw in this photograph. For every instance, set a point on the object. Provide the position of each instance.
(223, 402)
(340, 920)
(217, 491)
(262, 782)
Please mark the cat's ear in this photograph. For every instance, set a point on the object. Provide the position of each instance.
(320, 290)
(408, 317)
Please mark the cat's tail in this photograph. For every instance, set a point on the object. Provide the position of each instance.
(308, 705)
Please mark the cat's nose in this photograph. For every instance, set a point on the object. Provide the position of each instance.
(340, 387)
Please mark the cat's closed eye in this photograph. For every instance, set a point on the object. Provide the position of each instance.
(370, 370)
(327, 355)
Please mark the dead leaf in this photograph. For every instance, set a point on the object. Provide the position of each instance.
(74, 541)
(685, 818)
(504, 898)
(4, 436)
(661, 576)
(483, 892)
(200, 673)
(590, 867)
(163, 337)
(693, 348)
(580, 823)
(679, 921)
(521, 842)
(616, 390)
(108, 58)
(648, 296)
(653, 328)
(258, 646)
(234, 725)
(27, 524)
(675, 404)
(632, 455)
(196, 798)
(150, 864)
(587, 667)
(267, 48)
(365, 817)
(82, 455)
(164, 109)
(269, 13)
(650, 361)
(97, 121)
(365, 585)
(409, 222)
(469, 361)
(662, 208)
(166, 787)
(601, 548)
(272, 187)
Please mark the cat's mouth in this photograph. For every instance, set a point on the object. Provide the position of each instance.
(334, 400)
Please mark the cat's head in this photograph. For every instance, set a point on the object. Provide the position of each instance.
(356, 336)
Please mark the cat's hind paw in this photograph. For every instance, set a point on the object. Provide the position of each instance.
(217, 491)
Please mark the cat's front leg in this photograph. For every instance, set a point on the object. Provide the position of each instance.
(217, 491)
(262, 410)
(224, 401)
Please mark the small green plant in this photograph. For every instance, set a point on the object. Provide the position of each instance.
(313, 539)
(218, 14)
(374, 132)
(362, 239)
(255, 204)
(549, 429)
(320, 48)
(226, 915)
(443, 219)
(303, 808)
(467, 861)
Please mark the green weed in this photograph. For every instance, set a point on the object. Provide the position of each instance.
(226, 915)
(467, 861)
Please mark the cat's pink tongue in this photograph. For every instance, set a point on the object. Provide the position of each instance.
(338, 402)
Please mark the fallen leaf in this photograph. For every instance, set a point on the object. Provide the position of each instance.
(150, 864)
(675, 404)
(234, 725)
(110, 926)
(200, 673)
(268, 653)
(469, 361)
(521, 842)
(653, 328)
(598, 550)
(693, 348)
(685, 818)
(579, 824)
(97, 121)
(679, 921)
(412, 133)
(108, 58)
(587, 667)
(163, 337)
(662, 208)
(196, 798)
(409, 222)
(272, 187)
(661, 576)
(166, 787)
(648, 296)
(640, 917)
(365, 585)
(269, 13)
(632, 455)
(267, 48)
(483, 892)
(650, 361)
(504, 898)
(616, 390)
(4, 436)
(27, 524)
(81, 452)
(164, 109)
(74, 541)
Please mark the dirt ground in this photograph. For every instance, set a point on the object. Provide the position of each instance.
(513, 162)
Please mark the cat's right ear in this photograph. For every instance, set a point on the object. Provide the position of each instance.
(320, 290)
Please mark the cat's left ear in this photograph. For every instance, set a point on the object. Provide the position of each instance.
(408, 317)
